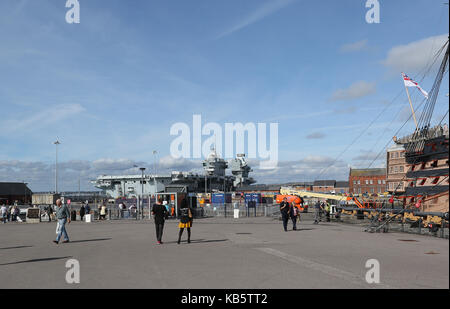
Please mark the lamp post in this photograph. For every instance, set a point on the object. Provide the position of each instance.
(56, 166)
(154, 170)
(142, 192)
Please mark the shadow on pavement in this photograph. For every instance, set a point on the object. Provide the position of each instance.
(88, 240)
(197, 241)
(18, 247)
(37, 260)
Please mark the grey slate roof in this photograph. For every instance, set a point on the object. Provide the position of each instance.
(324, 183)
(342, 184)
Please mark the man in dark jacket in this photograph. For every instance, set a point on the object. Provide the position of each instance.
(82, 212)
(159, 213)
(284, 209)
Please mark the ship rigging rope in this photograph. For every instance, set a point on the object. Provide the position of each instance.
(425, 71)
(419, 136)
(440, 76)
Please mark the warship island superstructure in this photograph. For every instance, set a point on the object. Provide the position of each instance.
(214, 179)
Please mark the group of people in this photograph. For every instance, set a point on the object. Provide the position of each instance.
(319, 208)
(85, 209)
(290, 211)
(9, 213)
(160, 213)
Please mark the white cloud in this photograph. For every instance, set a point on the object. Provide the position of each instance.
(315, 135)
(263, 11)
(353, 47)
(415, 56)
(115, 164)
(46, 117)
(181, 164)
(354, 91)
(40, 175)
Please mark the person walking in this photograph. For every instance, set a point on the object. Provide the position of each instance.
(121, 211)
(103, 212)
(284, 209)
(185, 220)
(10, 208)
(327, 211)
(63, 216)
(82, 212)
(317, 208)
(13, 213)
(16, 213)
(159, 213)
(49, 211)
(293, 213)
(4, 213)
(87, 209)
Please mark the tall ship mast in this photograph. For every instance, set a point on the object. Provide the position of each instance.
(427, 155)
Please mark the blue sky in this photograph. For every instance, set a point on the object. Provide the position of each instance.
(111, 87)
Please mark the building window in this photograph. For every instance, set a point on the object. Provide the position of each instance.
(402, 169)
(379, 181)
(423, 182)
(367, 182)
(384, 182)
(354, 182)
(371, 182)
(359, 182)
(435, 181)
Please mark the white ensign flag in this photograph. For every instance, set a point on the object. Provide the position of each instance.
(410, 83)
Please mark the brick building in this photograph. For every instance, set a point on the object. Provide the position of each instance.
(396, 169)
(370, 181)
(342, 187)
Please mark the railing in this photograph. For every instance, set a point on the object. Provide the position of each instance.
(228, 210)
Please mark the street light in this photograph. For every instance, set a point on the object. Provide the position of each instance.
(56, 166)
(154, 169)
(142, 192)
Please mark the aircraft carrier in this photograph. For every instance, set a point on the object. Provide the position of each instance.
(214, 179)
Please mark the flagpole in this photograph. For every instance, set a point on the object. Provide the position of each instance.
(412, 109)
